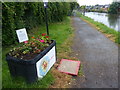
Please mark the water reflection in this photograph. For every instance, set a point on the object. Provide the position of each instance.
(111, 21)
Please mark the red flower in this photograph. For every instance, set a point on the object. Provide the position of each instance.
(43, 34)
(33, 37)
(47, 36)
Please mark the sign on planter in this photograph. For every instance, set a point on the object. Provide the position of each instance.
(45, 63)
(22, 35)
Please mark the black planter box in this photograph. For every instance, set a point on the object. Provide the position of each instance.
(29, 69)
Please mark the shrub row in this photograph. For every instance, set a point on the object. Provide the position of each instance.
(17, 15)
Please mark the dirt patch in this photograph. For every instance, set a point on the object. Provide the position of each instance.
(110, 36)
(62, 80)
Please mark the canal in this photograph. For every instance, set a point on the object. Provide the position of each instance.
(112, 21)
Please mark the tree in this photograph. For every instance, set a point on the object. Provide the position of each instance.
(73, 5)
(114, 8)
(83, 9)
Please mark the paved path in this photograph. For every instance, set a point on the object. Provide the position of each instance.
(98, 55)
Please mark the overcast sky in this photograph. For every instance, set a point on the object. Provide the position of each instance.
(94, 2)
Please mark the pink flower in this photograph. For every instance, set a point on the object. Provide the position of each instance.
(42, 41)
(25, 41)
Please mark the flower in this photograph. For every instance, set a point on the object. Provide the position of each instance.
(32, 47)
(42, 41)
(43, 34)
(25, 41)
(47, 36)
(33, 37)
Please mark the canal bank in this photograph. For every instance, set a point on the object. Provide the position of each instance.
(108, 32)
(110, 20)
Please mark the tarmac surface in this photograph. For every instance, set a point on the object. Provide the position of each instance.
(98, 55)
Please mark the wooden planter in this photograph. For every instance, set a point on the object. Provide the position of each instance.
(35, 68)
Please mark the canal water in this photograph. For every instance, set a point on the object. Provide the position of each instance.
(112, 21)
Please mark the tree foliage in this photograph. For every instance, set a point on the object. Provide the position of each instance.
(17, 15)
(114, 8)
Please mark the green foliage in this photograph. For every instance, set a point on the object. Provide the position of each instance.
(73, 5)
(17, 15)
(8, 25)
(114, 8)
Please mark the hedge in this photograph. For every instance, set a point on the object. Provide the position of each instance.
(17, 15)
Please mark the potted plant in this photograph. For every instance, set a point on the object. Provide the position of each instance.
(33, 59)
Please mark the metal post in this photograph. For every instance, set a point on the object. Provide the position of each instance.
(46, 20)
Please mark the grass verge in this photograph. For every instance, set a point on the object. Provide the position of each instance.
(108, 32)
(62, 32)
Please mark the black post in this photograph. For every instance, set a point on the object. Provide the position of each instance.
(46, 20)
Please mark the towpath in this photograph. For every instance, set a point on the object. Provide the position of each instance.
(99, 57)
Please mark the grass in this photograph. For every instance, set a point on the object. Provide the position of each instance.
(61, 32)
(80, 72)
(110, 33)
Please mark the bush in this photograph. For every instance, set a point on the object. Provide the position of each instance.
(17, 15)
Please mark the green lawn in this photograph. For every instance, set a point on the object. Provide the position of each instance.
(60, 32)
